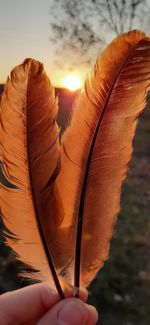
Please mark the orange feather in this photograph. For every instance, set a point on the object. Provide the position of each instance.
(95, 152)
(30, 163)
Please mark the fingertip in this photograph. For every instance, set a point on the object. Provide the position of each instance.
(73, 312)
(93, 314)
(70, 311)
(83, 293)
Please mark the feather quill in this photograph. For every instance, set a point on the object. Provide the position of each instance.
(30, 161)
(95, 152)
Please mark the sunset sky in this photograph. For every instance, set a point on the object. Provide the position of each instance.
(25, 32)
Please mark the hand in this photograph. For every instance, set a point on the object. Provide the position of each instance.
(39, 305)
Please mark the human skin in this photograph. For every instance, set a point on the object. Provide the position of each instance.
(38, 304)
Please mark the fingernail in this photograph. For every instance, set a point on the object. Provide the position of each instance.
(74, 312)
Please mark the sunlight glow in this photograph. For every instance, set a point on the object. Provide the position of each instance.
(72, 82)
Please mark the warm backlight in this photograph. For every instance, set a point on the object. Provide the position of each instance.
(72, 82)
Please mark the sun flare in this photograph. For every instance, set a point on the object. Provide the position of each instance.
(72, 82)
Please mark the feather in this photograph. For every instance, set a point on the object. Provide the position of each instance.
(30, 157)
(95, 152)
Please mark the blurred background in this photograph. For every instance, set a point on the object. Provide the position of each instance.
(67, 36)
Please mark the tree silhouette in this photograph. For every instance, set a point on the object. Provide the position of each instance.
(80, 29)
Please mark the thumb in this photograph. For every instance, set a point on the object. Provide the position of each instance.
(70, 311)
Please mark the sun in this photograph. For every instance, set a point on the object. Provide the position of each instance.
(72, 82)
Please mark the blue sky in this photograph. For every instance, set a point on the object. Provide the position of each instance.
(24, 32)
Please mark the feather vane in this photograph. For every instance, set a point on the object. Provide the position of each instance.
(95, 152)
(30, 163)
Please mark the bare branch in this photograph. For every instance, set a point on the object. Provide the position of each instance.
(77, 26)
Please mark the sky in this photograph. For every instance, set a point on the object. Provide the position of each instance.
(25, 32)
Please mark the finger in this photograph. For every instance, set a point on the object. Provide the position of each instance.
(92, 315)
(70, 311)
(26, 304)
(83, 293)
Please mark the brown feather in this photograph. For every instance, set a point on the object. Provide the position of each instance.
(30, 162)
(95, 153)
